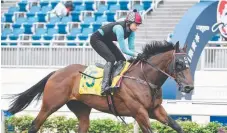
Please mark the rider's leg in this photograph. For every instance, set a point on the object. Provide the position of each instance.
(116, 51)
(103, 50)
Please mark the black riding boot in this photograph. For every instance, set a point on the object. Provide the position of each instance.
(106, 78)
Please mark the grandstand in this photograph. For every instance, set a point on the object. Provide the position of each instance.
(33, 43)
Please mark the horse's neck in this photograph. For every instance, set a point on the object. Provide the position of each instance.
(162, 62)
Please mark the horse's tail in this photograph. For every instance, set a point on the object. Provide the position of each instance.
(22, 100)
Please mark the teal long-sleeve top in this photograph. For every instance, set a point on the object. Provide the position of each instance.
(119, 31)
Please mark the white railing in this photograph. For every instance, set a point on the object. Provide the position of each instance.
(212, 58)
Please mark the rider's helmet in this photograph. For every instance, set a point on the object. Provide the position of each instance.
(69, 4)
(134, 17)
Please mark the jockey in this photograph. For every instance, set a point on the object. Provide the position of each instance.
(102, 43)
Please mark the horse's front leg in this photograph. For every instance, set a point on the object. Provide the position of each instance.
(143, 120)
(161, 115)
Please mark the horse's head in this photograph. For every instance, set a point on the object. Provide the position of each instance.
(180, 69)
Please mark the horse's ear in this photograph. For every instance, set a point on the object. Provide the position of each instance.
(185, 48)
(177, 47)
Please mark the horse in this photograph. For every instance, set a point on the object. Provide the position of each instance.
(158, 61)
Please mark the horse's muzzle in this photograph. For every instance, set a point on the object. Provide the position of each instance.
(188, 88)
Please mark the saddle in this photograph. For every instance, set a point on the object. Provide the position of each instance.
(117, 68)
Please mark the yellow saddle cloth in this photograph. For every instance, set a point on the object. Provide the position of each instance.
(89, 85)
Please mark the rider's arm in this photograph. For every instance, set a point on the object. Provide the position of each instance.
(131, 39)
(118, 30)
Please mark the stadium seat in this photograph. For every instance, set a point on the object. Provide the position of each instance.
(79, 8)
(22, 6)
(101, 19)
(44, 3)
(27, 28)
(41, 17)
(85, 33)
(20, 20)
(111, 2)
(54, 20)
(36, 37)
(89, 5)
(87, 21)
(17, 31)
(78, 2)
(75, 31)
(51, 31)
(40, 31)
(45, 9)
(34, 9)
(13, 9)
(49, 26)
(16, 26)
(66, 19)
(61, 28)
(123, 4)
(102, 8)
(3, 38)
(75, 16)
(147, 4)
(8, 17)
(30, 14)
(6, 32)
(32, 20)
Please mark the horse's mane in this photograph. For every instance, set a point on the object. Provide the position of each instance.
(153, 48)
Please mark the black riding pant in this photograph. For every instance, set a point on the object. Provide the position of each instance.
(106, 48)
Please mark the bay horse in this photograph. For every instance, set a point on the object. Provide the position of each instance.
(158, 61)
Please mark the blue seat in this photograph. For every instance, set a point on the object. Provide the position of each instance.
(61, 28)
(101, 19)
(111, 2)
(54, 20)
(6, 32)
(66, 19)
(102, 8)
(138, 7)
(75, 31)
(114, 8)
(98, 14)
(36, 37)
(30, 14)
(22, 6)
(20, 20)
(13, 37)
(44, 3)
(34, 9)
(27, 28)
(18, 31)
(45, 9)
(89, 5)
(54, 3)
(96, 26)
(13, 9)
(79, 8)
(3, 38)
(41, 17)
(147, 4)
(16, 26)
(70, 37)
(88, 20)
(75, 16)
(32, 20)
(78, 2)
(85, 33)
(123, 4)
(8, 17)
(49, 26)
(40, 31)
(51, 32)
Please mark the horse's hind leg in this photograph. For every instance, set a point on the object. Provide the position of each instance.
(53, 99)
(161, 115)
(82, 111)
